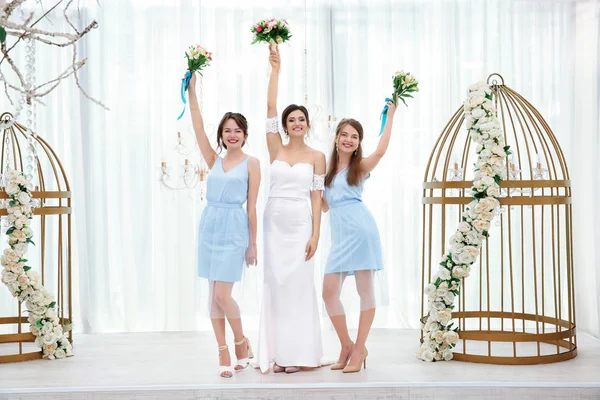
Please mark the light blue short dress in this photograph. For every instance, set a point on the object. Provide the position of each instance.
(223, 231)
(355, 243)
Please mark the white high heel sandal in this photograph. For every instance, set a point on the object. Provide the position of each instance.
(244, 362)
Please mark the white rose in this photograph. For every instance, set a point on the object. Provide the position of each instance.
(23, 280)
(430, 289)
(21, 180)
(21, 248)
(47, 329)
(12, 189)
(58, 332)
(446, 355)
(279, 40)
(8, 277)
(481, 225)
(37, 297)
(13, 288)
(438, 336)
(60, 353)
(68, 351)
(496, 161)
(475, 101)
(24, 198)
(472, 251)
(457, 238)
(449, 298)
(35, 330)
(464, 227)
(469, 121)
(489, 106)
(459, 272)
(33, 276)
(486, 170)
(50, 349)
(443, 273)
(49, 339)
(472, 238)
(19, 235)
(451, 337)
(456, 249)
(478, 113)
(437, 305)
(19, 223)
(467, 106)
(493, 191)
(437, 356)
(486, 216)
(427, 355)
(50, 313)
(444, 316)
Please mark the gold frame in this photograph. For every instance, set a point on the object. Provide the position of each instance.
(498, 315)
(61, 266)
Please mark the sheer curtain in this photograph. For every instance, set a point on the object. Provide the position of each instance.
(135, 243)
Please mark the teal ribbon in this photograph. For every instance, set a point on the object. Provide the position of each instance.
(384, 115)
(185, 82)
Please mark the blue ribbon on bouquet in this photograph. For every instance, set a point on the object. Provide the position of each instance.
(185, 82)
(384, 115)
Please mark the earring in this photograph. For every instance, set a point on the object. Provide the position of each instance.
(355, 151)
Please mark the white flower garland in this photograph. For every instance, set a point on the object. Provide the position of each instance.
(18, 277)
(439, 337)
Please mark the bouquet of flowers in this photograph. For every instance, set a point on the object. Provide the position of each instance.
(197, 58)
(404, 85)
(272, 31)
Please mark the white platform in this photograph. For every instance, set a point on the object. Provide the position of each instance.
(182, 365)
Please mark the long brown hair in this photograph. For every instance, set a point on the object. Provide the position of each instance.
(353, 175)
(241, 122)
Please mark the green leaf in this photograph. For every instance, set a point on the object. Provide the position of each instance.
(24, 260)
(497, 179)
(26, 268)
(407, 95)
(39, 324)
(11, 230)
(2, 35)
(30, 241)
(403, 101)
(437, 282)
(52, 305)
(488, 96)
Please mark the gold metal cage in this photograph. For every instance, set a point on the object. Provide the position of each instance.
(518, 305)
(51, 256)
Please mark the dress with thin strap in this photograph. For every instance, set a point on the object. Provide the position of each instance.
(223, 231)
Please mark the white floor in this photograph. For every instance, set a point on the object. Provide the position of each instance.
(182, 365)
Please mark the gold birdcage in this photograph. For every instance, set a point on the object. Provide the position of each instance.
(51, 256)
(518, 305)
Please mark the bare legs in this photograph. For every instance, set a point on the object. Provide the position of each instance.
(222, 305)
(352, 354)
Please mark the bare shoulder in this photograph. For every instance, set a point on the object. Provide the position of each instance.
(253, 163)
(317, 156)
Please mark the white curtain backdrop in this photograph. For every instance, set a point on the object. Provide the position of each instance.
(135, 242)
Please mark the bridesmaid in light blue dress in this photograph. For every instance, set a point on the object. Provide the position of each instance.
(227, 232)
(355, 244)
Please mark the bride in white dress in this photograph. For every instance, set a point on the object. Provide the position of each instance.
(290, 331)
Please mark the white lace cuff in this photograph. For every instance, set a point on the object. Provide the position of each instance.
(318, 183)
(273, 125)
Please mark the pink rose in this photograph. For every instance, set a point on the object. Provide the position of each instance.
(259, 28)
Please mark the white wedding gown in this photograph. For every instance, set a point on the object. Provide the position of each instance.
(290, 331)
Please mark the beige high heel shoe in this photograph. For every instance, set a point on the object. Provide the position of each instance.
(342, 365)
(356, 368)
(224, 370)
(244, 362)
